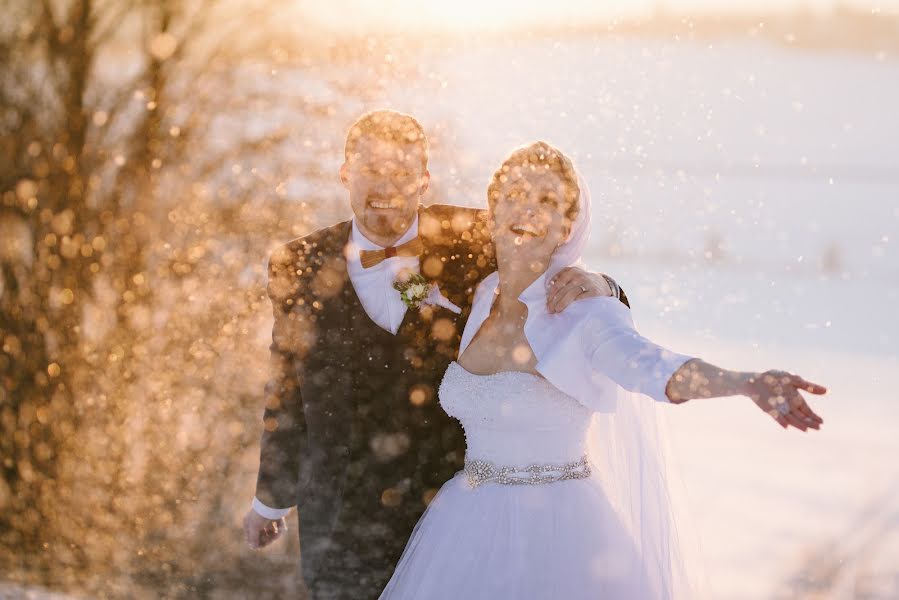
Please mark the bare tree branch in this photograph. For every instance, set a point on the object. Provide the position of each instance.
(112, 20)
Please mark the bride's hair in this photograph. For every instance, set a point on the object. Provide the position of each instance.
(542, 156)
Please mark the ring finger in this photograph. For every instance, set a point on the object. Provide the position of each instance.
(566, 297)
(809, 421)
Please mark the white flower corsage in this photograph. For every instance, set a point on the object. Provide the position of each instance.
(417, 292)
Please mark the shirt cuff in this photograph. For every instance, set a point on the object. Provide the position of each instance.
(268, 512)
(668, 363)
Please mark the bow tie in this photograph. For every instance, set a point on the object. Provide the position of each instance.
(371, 258)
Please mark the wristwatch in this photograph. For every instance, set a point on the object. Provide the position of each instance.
(616, 291)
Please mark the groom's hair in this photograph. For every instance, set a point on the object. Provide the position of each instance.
(542, 156)
(389, 126)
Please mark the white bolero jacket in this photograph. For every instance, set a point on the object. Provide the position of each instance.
(586, 349)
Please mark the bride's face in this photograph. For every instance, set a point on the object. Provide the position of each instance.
(528, 220)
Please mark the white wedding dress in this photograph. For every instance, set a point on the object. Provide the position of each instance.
(481, 538)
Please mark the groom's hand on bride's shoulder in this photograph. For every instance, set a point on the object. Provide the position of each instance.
(260, 531)
(572, 284)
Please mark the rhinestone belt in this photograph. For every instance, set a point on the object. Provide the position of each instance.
(482, 471)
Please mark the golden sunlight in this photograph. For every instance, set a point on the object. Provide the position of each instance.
(411, 16)
(204, 392)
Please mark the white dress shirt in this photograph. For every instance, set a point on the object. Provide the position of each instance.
(382, 303)
(374, 285)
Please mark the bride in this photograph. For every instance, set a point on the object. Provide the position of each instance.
(565, 490)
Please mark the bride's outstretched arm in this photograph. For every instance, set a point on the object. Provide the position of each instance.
(616, 350)
(775, 392)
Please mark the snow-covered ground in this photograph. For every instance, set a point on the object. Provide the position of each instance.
(12, 591)
(748, 200)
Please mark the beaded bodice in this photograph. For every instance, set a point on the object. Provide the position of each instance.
(513, 418)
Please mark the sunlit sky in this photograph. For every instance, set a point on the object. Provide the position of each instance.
(499, 14)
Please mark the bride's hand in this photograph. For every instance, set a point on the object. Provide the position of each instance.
(777, 393)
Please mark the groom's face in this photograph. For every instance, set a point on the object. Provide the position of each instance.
(385, 180)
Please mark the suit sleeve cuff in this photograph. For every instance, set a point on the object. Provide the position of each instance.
(613, 285)
(268, 512)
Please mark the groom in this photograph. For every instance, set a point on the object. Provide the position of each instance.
(353, 432)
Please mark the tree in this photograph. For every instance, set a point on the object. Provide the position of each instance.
(107, 108)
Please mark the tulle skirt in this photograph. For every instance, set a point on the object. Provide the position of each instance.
(558, 540)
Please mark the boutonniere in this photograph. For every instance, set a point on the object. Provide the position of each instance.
(418, 292)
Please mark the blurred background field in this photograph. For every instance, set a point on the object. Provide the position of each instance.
(745, 169)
